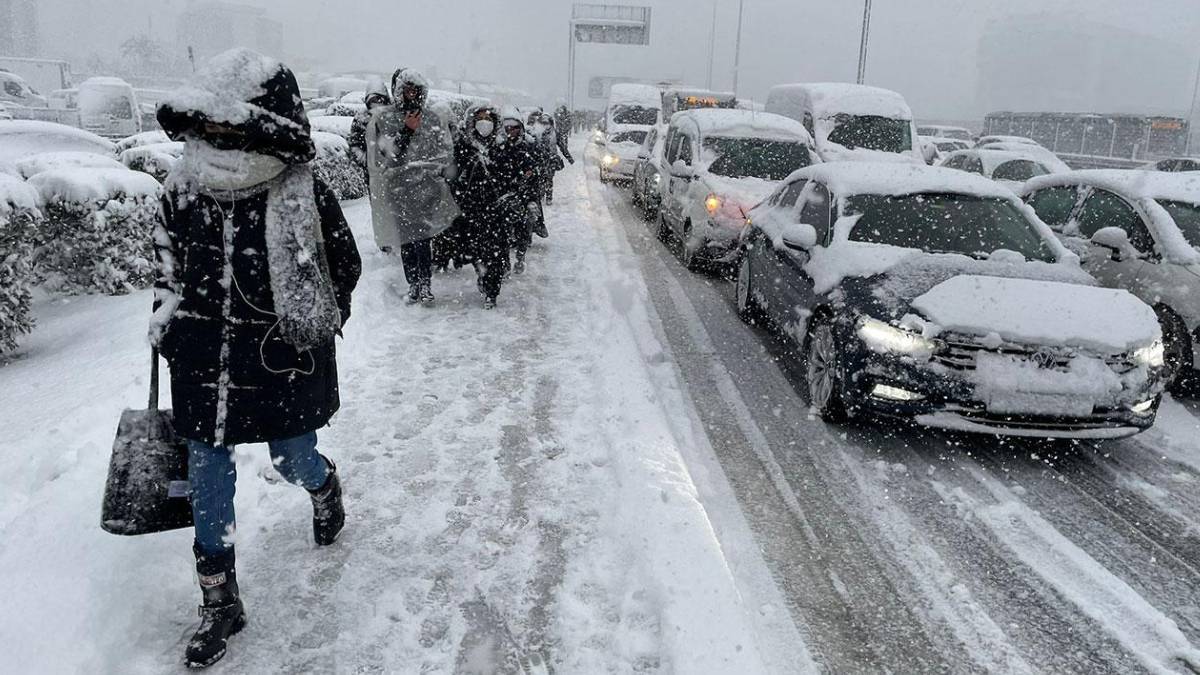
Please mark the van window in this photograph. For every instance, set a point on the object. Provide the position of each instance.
(12, 88)
(871, 132)
(685, 149)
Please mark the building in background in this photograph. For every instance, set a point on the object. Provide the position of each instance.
(19, 34)
(210, 28)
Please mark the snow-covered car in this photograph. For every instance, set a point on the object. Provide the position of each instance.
(985, 141)
(1045, 157)
(1140, 231)
(22, 138)
(719, 165)
(14, 89)
(1010, 169)
(156, 159)
(936, 295)
(936, 148)
(947, 132)
(145, 138)
(69, 159)
(619, 153)
(851, 122)
(1175, 165)
(109, 107)
(648, 173)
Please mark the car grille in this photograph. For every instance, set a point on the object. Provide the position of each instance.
(960, 353)
(1100, 419)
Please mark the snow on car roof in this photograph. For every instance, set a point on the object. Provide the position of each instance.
(48, 161)
(831, 98)
(1008, 139)
(744, 123)
(86, 185)
(994, 158)
(16, 194)
(635, 94)
(886, 178)
(1130, 183)
(21, 138)
(144, 138)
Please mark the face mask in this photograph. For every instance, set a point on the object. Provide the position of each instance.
(231, 169)
(484, 127)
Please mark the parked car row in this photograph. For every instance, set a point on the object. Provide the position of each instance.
(999, 292)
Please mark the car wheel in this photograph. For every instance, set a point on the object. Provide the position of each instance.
(664, 230)
(747, 306)
(1177, 348)
(687, 255)
(822, 359)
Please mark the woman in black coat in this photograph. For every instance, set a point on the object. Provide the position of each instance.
(256, 268)
(478, 191)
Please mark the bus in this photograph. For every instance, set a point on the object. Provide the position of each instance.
(1134, 138)
(677, 100)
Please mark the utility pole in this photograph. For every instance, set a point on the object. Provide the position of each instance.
(866, 37)
(712, 46)
(1192, 127)
(737, 49)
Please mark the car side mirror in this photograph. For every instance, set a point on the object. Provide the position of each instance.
(1116, 241)
(799, 236)
(681, 170)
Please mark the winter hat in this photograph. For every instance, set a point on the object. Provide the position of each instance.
(377, 90)
(254, 94)
(407, 77)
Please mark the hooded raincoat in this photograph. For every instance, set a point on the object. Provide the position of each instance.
(411, 198)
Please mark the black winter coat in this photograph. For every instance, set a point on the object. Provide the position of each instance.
(275, 392)
(478, 187)
(519, 166)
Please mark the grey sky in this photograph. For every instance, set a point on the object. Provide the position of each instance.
(926, 49)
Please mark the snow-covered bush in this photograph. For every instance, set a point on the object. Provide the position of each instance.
(335, 167)
(145, 138)
(96, 237)
(19, 220)
(332, 125)
(340, 109)
(157, 159)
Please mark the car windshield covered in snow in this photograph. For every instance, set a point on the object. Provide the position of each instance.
(756, 157)
(872, 132)
(637, 137)
(1187, 219)
(634, 114)
(946, 223)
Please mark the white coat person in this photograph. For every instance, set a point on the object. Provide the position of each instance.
(410, 160)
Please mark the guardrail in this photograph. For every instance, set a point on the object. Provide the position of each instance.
(1097, 162)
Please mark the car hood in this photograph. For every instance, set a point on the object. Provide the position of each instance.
(744, 192)
(1041, 312)
(624, 150)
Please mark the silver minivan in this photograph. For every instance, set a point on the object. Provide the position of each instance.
(1137, 230)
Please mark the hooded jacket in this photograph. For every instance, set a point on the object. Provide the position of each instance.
(358, 128)
(234, 379)
(408, 168)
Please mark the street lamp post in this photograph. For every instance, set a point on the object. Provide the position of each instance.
(1192, 130)
(737, 49)
(866, 36)
(712, 46)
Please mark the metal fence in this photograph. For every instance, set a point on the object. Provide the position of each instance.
(1125, 137)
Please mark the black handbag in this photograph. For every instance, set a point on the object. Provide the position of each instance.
(147, 489)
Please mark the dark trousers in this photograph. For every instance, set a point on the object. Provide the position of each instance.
(417, 258)
(488, 236)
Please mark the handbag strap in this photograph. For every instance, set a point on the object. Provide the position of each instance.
(153, 378)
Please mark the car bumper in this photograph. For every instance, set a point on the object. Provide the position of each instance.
(720, 244)
(949, 401)
(621, 170)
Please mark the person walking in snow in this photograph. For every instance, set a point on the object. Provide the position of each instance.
(256, 265)
(518, 159)
(478, 190)
(564, 122)
(377, 97)
(542, 128)
(410, 156)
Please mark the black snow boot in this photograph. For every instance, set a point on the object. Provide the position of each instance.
(426, 291)
(328, 515)
(519, 266)
(222, 614)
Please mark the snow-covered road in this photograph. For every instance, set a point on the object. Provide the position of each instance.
(516, 490)
(608, 474)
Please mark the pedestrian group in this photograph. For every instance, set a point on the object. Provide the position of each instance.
(257, 266)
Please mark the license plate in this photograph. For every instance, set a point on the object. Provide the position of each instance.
(1054, 405)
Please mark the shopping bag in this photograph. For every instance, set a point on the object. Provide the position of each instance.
(147, 489)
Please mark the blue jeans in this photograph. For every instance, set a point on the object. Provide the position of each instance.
(213, 475)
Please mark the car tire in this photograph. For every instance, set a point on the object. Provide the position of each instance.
(824, 386)
(1177, 345)
(664, 230)
(687, 255)
(747, 307)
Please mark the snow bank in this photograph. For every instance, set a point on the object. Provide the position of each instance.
(21, 138)
(88, 185)
(1027, 311)
(48, 161)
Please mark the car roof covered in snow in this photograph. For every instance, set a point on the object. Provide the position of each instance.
(1008, 139)
(46, 161)
(832, 98)
(1129, 183)
(846, 179)
(742, 123)
(87, 185)
(21, 138)
(627, 93)
(16, 194)
(994, 158)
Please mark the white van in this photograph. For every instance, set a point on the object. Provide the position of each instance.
(633, 110)
(108, 107)
(851, 121)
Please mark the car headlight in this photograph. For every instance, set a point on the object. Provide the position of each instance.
(1152, 355)
(712, 203)
(885, 338)
(610, 160)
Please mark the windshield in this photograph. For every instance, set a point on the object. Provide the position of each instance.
(872, 133)
(1018, 170)
(634, 114)
(1187, 219)
(105, 102)
(947, 223)
(637, 137)
(756, 157)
